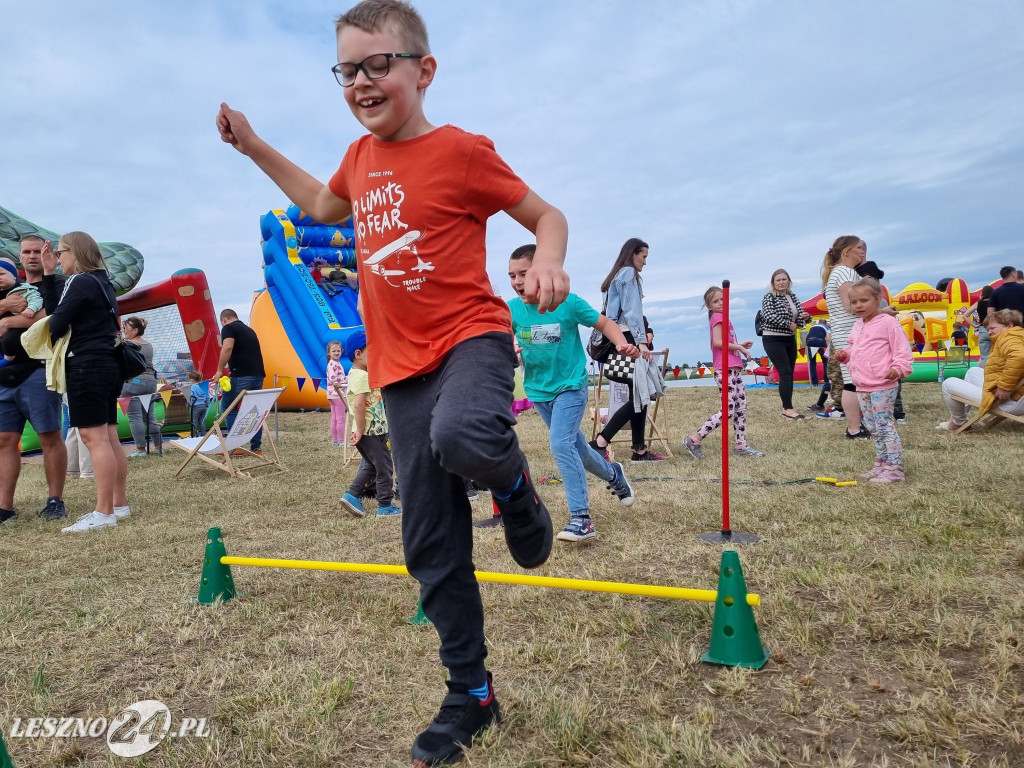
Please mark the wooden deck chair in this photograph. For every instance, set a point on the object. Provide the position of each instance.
(659, 433)
(987, 421)
(215, 447)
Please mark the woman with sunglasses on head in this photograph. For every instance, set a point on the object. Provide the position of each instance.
(143, 384)
(85, 309)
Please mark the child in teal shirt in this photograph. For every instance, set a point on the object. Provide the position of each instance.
(556, 382)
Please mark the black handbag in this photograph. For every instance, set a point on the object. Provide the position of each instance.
(130, 358)
(600, 346)
(128, 354)
(619, 367)
(759, 323)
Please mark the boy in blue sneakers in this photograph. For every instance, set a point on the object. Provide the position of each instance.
(556, 382)
(369, 436)
(440, 340)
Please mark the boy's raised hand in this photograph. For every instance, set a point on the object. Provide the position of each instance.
(235, 129)
(547, 285)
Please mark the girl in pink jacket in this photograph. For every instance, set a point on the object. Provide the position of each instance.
(878, 355)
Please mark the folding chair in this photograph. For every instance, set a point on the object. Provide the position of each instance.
(655, 432)
(215, 447)
(992, 418)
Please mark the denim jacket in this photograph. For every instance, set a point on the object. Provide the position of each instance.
(625, 303)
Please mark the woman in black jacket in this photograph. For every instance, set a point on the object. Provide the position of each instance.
(84, 307)
(782, 315)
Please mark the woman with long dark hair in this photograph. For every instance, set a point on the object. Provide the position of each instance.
(85, 309)
(625, 307)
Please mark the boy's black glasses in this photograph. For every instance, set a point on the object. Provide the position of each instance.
(374, 67)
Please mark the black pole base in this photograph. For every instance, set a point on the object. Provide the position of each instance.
(728, 537)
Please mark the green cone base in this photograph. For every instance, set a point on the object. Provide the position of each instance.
(735, 640)
(216, 582)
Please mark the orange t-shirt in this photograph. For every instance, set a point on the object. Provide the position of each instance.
(420, 210)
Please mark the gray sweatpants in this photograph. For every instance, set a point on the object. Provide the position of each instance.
(451, 423)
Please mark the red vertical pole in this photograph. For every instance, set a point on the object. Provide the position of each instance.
(724, 373)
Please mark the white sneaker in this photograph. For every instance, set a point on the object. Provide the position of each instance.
(122, 512)
(948, 426)
(91, 522)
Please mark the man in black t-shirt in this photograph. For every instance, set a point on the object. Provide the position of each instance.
(24, 397)
(240, 352)
(1009, 295)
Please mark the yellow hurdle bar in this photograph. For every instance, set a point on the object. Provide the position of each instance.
(586, 585)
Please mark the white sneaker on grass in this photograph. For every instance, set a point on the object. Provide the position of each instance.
(91, 522)
(122, 512)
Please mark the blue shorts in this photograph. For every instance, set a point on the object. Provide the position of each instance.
(31, 401)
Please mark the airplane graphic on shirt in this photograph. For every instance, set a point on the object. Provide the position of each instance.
(395, 248)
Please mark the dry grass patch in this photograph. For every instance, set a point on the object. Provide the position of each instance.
(895, 615)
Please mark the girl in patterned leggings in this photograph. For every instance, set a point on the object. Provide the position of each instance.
(729, 375)
(877, 354)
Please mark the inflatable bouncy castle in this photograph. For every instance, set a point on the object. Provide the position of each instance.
(309, 300)
(934, 320)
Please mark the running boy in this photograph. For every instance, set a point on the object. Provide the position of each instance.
(369, 436)
(556, 382)
(420, 197)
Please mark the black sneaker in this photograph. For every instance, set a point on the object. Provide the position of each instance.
(6, 515)
(462, 718)
(602, 452)
(54, 509)
(528, 531)
(859, 434)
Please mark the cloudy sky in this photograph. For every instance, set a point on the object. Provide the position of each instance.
(735, 136)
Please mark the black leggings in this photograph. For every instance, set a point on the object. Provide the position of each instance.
(782, 352)
(637, 421)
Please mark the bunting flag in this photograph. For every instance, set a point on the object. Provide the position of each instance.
(122, 402)
(919, 347)
(687, 372)
(316, 384)
(166, 396)
(300, 380)
(283, 381)
(676, 371)
(801, 350)
(764, 362)
(700, 371)
(145, 400)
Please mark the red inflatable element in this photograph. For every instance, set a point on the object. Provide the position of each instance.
(189, 291)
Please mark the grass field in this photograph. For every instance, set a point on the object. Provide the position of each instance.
(894, 614)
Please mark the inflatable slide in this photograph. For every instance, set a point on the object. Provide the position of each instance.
(310, 299)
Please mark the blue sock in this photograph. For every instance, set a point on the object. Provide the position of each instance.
(483, 692)
(505, 496)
